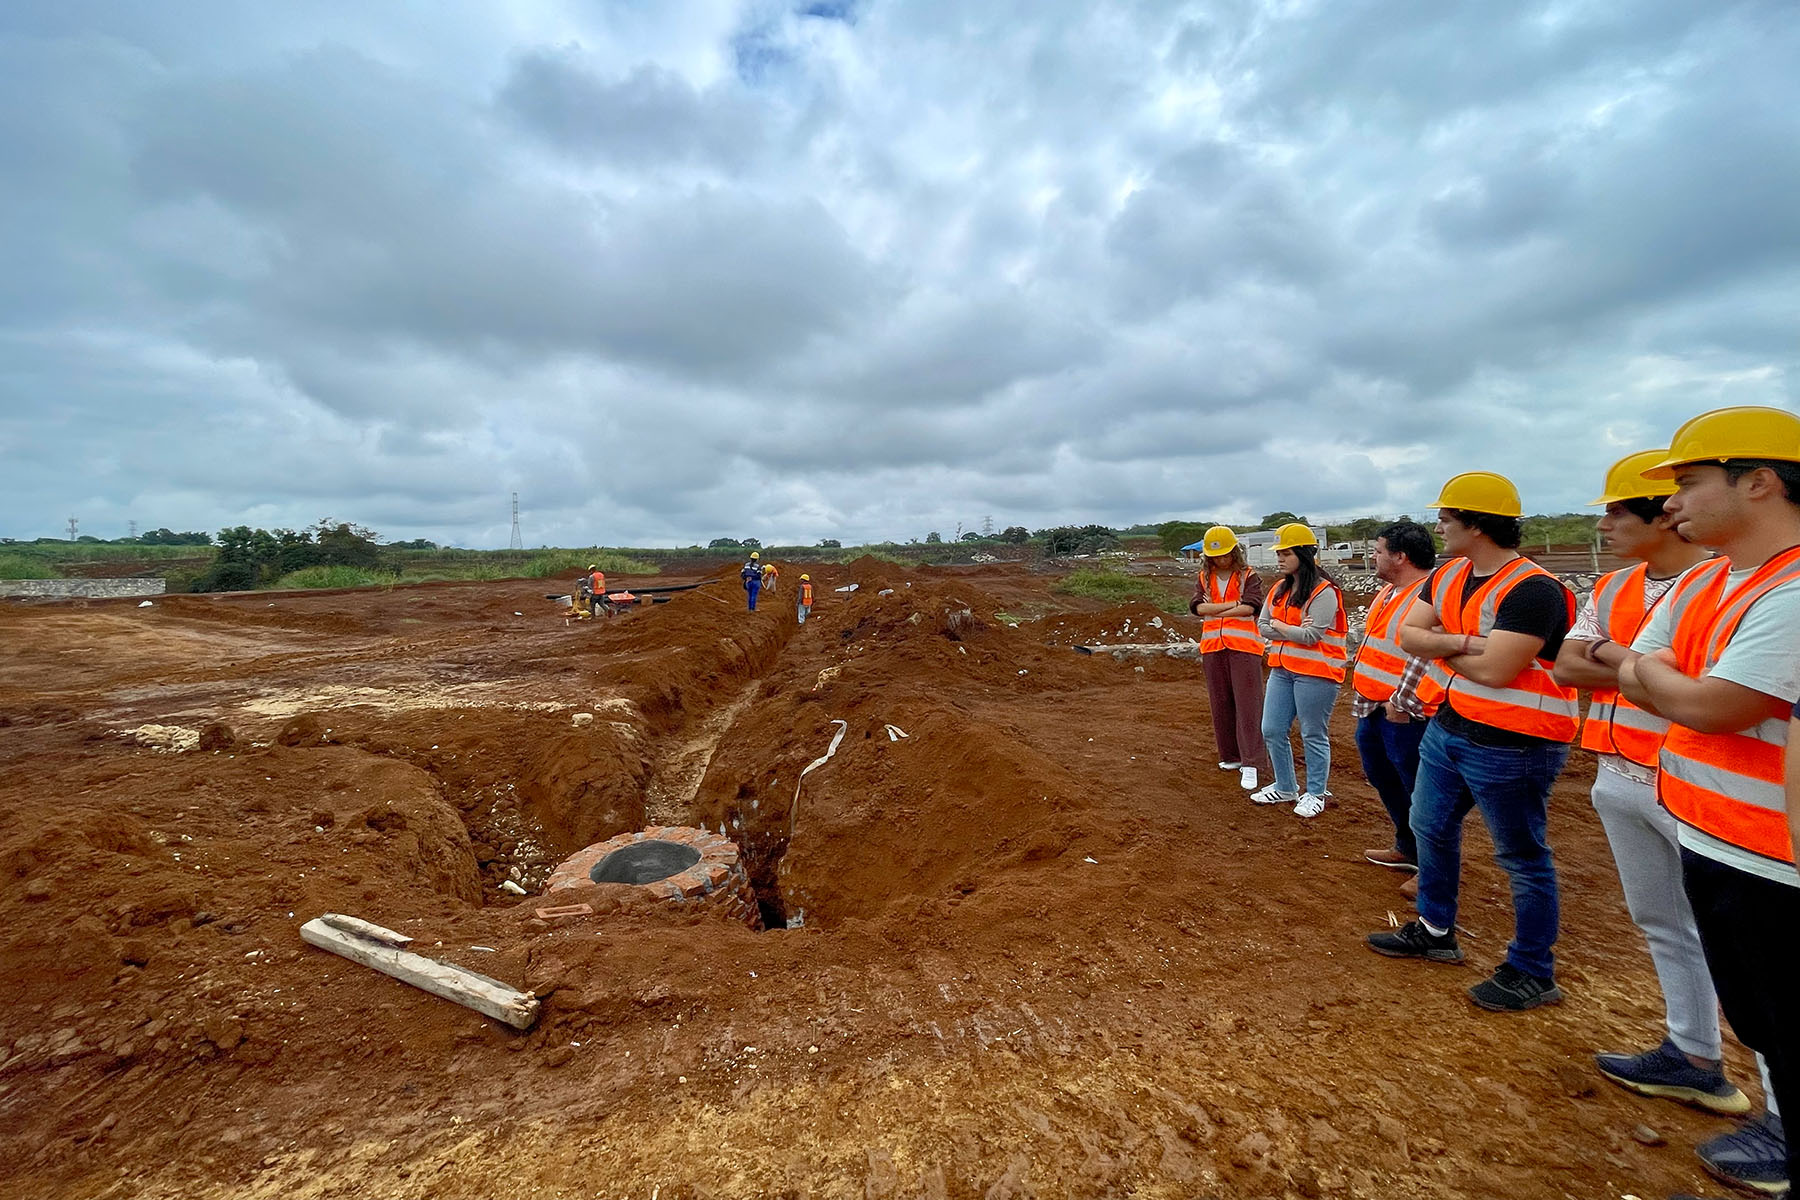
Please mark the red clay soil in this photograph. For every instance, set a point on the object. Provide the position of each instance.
(1047, 948)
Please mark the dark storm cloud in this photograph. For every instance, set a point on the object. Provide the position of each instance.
(796, 270)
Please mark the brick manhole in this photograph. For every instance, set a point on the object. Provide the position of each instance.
(674, 863)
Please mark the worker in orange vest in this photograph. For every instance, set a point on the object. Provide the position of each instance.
(1721, 661)
(1391, 717)
(771, 575)
(806, 596)
(1227, 597)
(1686, 1066)
(1493, 625)
(1304, 624)
(594, 582)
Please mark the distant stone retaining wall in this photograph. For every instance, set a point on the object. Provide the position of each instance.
(92, 588)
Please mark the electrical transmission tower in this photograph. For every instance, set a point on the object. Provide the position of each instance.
(131, 530)
(987, 527)
(74, 524)
(517, 542)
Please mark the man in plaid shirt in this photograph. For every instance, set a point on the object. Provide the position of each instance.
(1390, 717)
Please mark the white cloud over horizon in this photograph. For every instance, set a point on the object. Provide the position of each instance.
(861, 270)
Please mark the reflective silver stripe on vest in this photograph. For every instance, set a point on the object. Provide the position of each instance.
(1744, 788)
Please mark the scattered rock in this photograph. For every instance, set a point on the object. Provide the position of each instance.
(583, 719)
(303, 730)
(216, 735)
(172, 738)
(1574, 1080)
(1644, 1135)
(1252, 1149)
(1391, 1131)
(1306, 1181)
(38, 889)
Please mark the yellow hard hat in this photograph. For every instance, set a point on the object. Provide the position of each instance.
(1294, 534)
(1625, 479)
(1219, 540)
(1482, 492)
(806, 577)
(593, 567)
(1745, 431)
(755, 554)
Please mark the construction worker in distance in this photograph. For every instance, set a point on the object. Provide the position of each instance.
(1721, 661)
(771, 575)
(1686, 1066)
(1390, 714)
(594, 583)
(1227, 597)
(1492, 623)
(804, 608)
(752, 577)
(1304, 624)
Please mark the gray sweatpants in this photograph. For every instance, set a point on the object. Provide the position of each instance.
(1644, 847)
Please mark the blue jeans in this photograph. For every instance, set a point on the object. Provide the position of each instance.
(1286, 696)
(1390, 758)
(750, 589)
(1511, 786)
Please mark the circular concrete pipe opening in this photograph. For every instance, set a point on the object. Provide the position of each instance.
(675, 863)
(644, 862)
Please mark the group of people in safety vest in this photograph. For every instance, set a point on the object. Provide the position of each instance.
(1465, 693)
(760, 577)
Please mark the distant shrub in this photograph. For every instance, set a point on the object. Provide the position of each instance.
(570, 562)
(335, 577)
(22, 566)
(1116, 587)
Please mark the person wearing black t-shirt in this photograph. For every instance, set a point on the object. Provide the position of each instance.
(1492, 626)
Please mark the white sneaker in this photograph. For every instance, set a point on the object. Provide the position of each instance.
(1231, 766)
(1247, 778)
(1309, 805)
(1273, 795)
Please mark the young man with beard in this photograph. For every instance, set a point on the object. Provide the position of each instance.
(1686, 1066)
(1721, 661)
(1390, 715)
(1493, 625)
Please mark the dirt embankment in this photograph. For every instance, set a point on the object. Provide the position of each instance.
(1047, 949)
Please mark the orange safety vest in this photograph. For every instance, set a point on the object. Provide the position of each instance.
(597, 583)
(1728, 785)
(1614, 724)
(1379, 660)
(1324, 659)
(1227, 633)
(806, 592)
(1533, 704)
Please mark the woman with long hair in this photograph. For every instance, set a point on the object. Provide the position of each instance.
(1227, 597)
(1304, 622)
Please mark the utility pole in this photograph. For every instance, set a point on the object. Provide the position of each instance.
(517, 542)
(74, 525)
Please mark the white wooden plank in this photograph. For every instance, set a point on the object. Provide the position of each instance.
(453, 983)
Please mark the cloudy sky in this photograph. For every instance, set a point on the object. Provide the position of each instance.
(681, 269)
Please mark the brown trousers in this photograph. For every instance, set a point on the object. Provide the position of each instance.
(1234, 684)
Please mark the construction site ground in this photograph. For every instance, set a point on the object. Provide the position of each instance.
(1038, 946)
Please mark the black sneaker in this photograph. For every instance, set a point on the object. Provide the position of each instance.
(1754, 1155)
(1413, 940)
(1666, 1073)
(1512, 990)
